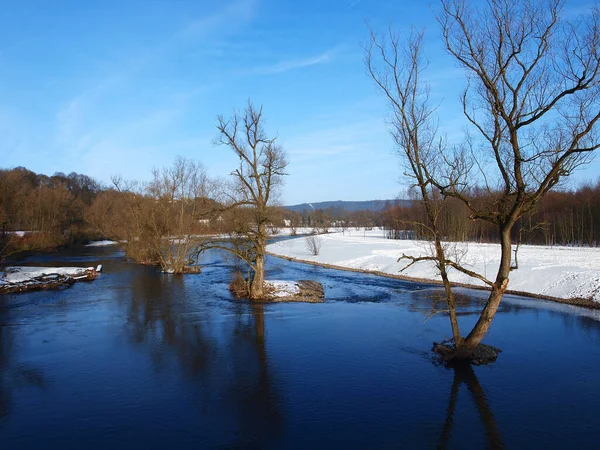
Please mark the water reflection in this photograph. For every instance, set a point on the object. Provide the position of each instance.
(148, 360)
(12, 374)
(465, 374)
(5, 388)
(158, 318)
(224, 362)
(251, 391)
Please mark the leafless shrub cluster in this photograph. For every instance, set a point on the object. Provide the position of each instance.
(238, 286)
(158, 223)
(313, 244)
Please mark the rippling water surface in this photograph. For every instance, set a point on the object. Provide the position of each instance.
(140, 359)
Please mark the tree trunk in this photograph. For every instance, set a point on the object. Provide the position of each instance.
(482, 326)
(257, 286)
(258, 281)
(449, 294)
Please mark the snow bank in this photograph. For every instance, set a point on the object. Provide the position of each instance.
(287, 231)
(564, 272)
(101, 243)
(13, 275)
(22, 279)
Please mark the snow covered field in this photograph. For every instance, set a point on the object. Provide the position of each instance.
(564, 272)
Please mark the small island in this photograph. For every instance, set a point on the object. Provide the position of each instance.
(16, 279)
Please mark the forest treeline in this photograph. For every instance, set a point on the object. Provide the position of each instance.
(62, 210)
(40, 212)
(52, 206)
(563, 217)
(156, 221)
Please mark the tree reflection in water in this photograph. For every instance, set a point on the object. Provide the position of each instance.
(161, 317)
(5, 388)
(251, 391)
(464, 373)
(12, 374)
(224, 361)
(429, 305)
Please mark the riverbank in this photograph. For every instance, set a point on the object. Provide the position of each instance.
(562, 274)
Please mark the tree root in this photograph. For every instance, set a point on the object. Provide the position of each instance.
(448, 354)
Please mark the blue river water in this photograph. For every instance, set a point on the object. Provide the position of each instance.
(141, 359)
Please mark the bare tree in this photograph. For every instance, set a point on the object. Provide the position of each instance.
(180, 195)
(254, 189)
(531, 99)
(313, 244)
(397, 70)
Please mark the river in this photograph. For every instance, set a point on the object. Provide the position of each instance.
(140, 359)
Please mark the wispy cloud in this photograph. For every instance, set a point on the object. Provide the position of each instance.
(293, 64)
(99, 119)
(70, 119)
(336, 140)
(234, 13)
(339, 157)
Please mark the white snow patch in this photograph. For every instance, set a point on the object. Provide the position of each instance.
(564, 272)
(282, 288)
(104, 243)
(22, 274)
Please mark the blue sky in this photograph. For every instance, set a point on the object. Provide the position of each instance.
(107, 87)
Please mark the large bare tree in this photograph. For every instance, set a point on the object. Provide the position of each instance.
(532, 101)
(254, 188)
(397, 68)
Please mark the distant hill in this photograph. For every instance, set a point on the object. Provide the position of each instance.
(373, 205)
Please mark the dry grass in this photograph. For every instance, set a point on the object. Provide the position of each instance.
(238, 286)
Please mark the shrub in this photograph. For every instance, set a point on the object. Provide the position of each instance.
(313, 244)
(238, 286)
